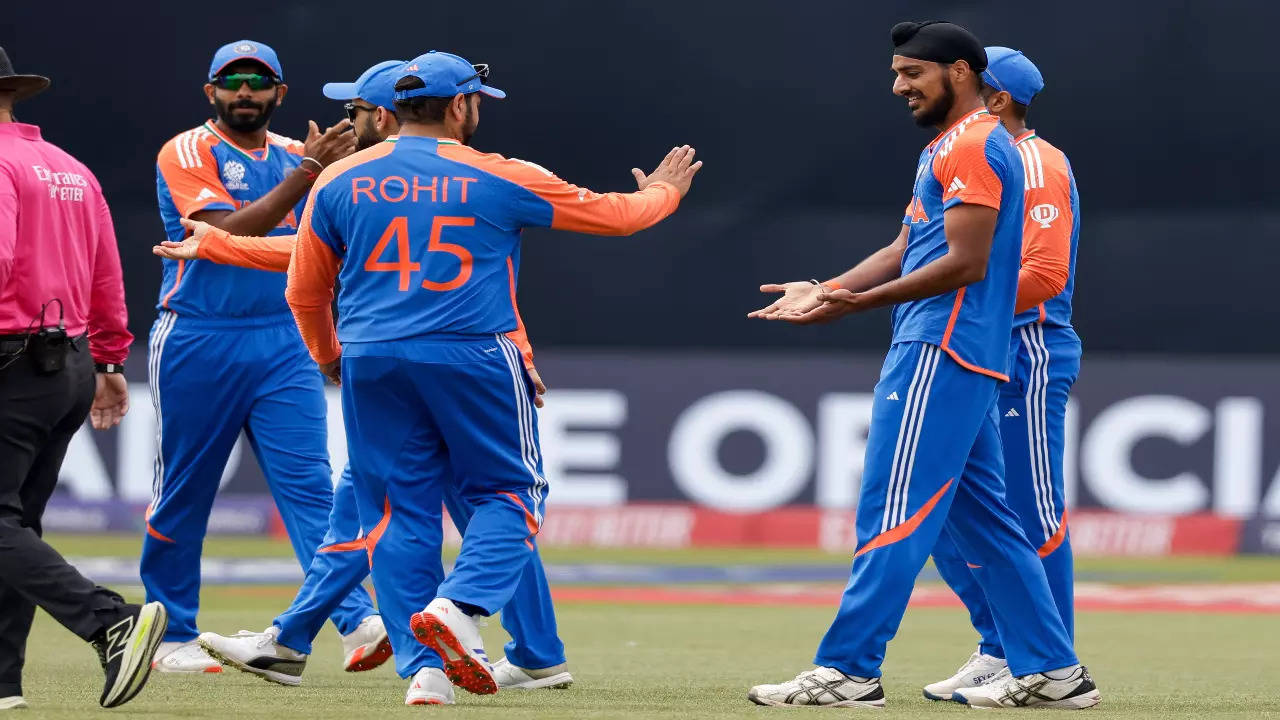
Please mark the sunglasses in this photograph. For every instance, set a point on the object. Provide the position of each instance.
(235, 81)
(353, 110)
(482, 72)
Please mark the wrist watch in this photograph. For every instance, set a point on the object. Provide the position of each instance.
(110, 368)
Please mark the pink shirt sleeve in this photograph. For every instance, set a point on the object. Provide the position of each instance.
(109, 336)
(8, 224)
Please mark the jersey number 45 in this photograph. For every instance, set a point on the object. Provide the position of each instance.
(399, 230)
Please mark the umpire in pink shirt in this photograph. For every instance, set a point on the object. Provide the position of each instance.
(63, 342)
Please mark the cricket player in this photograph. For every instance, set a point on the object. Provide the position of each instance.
(225, 355)
(424, 233)
(535, 657)
(934, 460)
(1043, 364)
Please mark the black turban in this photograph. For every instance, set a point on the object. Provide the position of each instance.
(938, 41)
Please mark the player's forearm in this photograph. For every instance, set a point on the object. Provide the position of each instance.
(1036, 286)
(315, 325)
(943, 275)
(618, 214)
(878, 268)
(264, 214)
(258, 253)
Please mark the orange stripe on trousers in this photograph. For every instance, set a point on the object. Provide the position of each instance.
(376, 534)
(529, 520)
(1053, 542)
(357, 544)
(900, 532)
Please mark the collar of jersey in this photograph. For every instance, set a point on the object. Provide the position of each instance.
(439, 141)
(1024, 137)
(958, 123)
(266, 149)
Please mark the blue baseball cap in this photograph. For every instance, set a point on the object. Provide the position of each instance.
(245, 50)
(445, 75)
(377, 85)
(1009, 70)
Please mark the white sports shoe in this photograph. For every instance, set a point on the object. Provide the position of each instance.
(13, 702)
(512, 677)
(184, 657)
(429, 686)
(1036, 690)
(821, 686)
(444, 628)
(978, 669)
(366, 647)
(257, 653)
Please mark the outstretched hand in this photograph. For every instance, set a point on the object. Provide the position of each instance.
(797, 298)
(677, 168)
(189, 247)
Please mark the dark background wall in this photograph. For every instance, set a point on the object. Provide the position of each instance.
(1167, 111)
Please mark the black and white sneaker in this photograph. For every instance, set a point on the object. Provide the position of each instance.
(822, 686)
(257, 653)
(125, 650)
(1036, 690)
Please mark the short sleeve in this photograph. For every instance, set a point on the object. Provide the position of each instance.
(190, 172)
(970, 173)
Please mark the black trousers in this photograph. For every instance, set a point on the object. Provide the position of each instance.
(38, 416)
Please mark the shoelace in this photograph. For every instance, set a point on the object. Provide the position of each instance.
(264, 638)
(999, 676)
(973, 660)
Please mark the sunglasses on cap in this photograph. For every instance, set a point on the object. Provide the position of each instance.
(482, 72)
(234, 81)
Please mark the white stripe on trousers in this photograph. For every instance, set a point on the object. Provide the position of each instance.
(155, 349)
(904, 453)
(528, 441)
(1037, 426)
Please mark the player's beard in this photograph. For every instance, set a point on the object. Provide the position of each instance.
(937, 114)
(367, 134)
(239, 124)
(469, 125)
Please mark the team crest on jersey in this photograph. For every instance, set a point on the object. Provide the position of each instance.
(1044, 214)
(233, 176)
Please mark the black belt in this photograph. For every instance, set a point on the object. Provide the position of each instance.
(10, 344)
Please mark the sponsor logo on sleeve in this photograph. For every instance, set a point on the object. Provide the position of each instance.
(1044, 214)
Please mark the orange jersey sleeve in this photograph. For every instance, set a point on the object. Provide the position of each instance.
(518, 336)
(965, 173)
(1046, 230)
(190, 172)
(313, 270)
(257, 253)
(575, 208)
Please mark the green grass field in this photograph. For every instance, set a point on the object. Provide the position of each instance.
(691, 662)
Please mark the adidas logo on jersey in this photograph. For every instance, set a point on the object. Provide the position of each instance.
(205, 194)
(955, 186)
(1012, 413)
(892, 396)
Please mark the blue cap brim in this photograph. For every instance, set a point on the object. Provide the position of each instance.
(492, 92)
(340, 91)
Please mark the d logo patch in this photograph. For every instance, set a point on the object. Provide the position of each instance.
(1044, 214)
